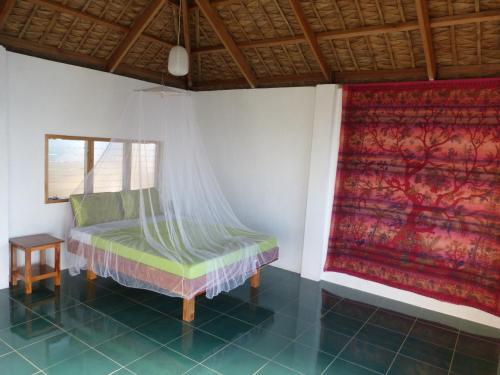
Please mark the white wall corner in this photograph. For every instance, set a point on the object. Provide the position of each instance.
(4, 171)
(323, 163)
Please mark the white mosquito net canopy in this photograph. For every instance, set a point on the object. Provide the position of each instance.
(165, 225)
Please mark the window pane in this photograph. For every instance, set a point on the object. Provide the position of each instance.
(143, 165)
(66, 159)
(108, 163)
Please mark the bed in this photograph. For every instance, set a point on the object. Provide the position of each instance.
(113, 244)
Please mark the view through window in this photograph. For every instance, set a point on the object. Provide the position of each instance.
(120, 165)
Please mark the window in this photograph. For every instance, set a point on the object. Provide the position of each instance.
(120, 165)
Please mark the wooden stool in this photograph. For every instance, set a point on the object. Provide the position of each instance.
(31, 273)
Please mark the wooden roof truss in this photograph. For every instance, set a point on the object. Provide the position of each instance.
(262, 43)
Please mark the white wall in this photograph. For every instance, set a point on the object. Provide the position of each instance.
(259, 143)
(4, 188)
(48, 97)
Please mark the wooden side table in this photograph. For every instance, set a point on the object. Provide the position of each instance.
(31, 273)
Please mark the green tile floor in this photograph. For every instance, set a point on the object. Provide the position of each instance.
(289, 325)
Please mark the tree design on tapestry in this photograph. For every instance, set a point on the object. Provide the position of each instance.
(417, 201)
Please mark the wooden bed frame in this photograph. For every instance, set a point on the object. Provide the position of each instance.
(188, 305)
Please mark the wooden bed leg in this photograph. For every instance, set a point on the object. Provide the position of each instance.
(188, 309)
(90, 274)
(255, 279)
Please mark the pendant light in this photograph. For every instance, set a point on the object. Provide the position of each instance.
(178, 59)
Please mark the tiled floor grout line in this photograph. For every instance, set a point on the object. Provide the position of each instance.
(23, 357)
(454, 351)
(292, 341)
(349, 341)
(232, 342)
(401, 346)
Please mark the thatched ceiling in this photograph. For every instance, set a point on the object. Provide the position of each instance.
(263, 43)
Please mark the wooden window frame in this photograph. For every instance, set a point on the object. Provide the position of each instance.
(89, 161)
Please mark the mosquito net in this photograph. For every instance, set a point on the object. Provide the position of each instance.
(152, 214)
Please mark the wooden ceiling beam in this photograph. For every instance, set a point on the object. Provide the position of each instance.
(311, 38)
(60, 8)
(411, 74)
(187, 39)
(226, 39)
(426, 35)
(135, 32)
(5, 9)
(485, 16)
(56, 54)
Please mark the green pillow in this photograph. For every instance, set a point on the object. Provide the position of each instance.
(131, 203)
(96, 208)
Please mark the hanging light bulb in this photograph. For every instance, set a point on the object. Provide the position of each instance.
(178, 59)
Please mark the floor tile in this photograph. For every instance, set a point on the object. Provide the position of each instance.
(368, 355)
(464, 365)
(393, 321)
(234, 360)
(127, 348)
(164, 304)
(341, 367)
(53, 350)
(162, 362)
(330, 342)
(165, 329)
(202, 315)
(272, 368)
(28, 333)
(271, 300)
(353, 309)
(340, 323)
(308, 312)
(110, 304)
(48, 307)
(13, 312)
(381, 337)
(197, 345)
(75, 316)
(479, 348)
(89, 362)
(250, 313)
(4, 349)
(40, 292)
(122, 371)
(84, 291)
(136, 316)
(99, 330)
(263, 342)
(434, 334)
(201, 370)
(221, 303)
(243, 292)
(226, 327)
(427, 352)
(407, 366)
(13, 363)
(138, 294)
(285, 326)
(304, 359)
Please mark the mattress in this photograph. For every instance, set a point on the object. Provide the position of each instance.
(126, 239)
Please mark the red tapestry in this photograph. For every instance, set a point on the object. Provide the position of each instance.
(417, 197)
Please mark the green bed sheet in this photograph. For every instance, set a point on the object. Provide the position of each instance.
(131, 244)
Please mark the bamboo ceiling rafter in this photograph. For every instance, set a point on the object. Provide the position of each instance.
(425, 32)
(311, 38)
(214, 19)
(272, 42)
(135, 32)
